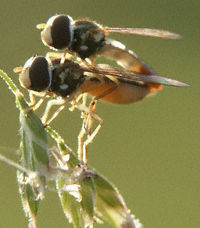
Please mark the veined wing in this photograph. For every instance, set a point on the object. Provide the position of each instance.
(132, 76)
(145, 32)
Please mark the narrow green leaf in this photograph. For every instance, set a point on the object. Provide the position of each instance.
(35, 147)
(72, 209)
(88, 193)
(77, 195)
(107, 192)
(19, 98)
(79, 211)
(9, 82)
(33, 154)
(28, 197)
(110, 205)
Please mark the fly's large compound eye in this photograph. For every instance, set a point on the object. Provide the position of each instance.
(36, 74)
(58, 32)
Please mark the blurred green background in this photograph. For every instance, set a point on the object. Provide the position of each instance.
(149, 150)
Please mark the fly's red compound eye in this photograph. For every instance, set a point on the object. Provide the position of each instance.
(36, 74)
(58, 32)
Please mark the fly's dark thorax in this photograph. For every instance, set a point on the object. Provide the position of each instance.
(66, 78)
(88, 38)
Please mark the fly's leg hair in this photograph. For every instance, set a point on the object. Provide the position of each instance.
(90, 138)
(88, 120)
(33, 104)
(61, 102)
(82, 143)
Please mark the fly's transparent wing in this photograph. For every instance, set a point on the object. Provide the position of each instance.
(145, 32)
(134, 77)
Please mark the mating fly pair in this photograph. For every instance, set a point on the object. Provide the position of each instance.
(65, 76)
